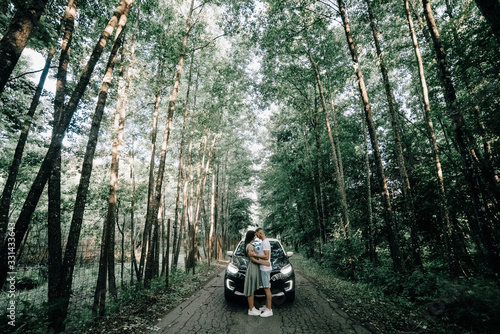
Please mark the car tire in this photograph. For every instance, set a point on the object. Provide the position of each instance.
(229, 296)
(290, 297)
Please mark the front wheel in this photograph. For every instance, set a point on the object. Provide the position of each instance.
(290, 297)
(228, 295)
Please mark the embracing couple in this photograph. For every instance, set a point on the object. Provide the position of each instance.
(258, 250)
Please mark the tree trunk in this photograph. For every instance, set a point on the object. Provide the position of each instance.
(318, 202)
(388, 216)
(133, 264)
(38, 185)
(463, 143)
(167, 257)
(18, 153)
(181, 166)
(148, 224)
(212, 216)
(445, 218)
(200, 191)
(54, 221)
(106, 263)
(15, 38)
(370, 230)
(394, 112)
(322, 217)
(154, 207)
(340, 179)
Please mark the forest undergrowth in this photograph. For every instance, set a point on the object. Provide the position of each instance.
(415, 302)
(134, 311)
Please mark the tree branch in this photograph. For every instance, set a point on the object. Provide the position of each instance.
(27, 73)
(205, 45)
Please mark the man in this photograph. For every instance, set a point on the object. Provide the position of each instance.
(265, 271)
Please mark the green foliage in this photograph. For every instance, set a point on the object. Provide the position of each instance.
(416, 302)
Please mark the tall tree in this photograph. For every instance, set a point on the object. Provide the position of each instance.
(54, 188)
(444, 210)
(45, 170)
(394, 112)
(463, 141)
(388, 213)
(106, 261)
(336, 164)
(153, 207)
(5, 203)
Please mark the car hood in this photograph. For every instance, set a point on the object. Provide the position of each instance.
(242, 262)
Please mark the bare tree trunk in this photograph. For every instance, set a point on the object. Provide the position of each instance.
(38, 185)
(388, 216)
(393, 110)
(121, 230)
(15, 38)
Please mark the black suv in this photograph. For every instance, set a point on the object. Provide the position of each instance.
(282, 274)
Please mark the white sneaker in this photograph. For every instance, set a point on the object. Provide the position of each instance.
(262, 308)
(267, 313)
(253, 311)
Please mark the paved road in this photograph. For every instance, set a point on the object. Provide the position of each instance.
(207, 312)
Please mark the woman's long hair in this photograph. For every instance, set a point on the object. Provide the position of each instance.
(248, 239)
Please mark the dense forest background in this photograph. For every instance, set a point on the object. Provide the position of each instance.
(142, 137)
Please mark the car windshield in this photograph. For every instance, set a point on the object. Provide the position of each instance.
(276, 249)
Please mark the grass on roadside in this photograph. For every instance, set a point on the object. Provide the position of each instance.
(140, 309)
(417, 303)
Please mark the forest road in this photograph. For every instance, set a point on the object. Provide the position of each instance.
(207, 312)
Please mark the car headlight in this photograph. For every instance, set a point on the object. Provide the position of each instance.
(232, 268)
(286, 269)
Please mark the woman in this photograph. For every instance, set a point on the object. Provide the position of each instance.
(253, 279)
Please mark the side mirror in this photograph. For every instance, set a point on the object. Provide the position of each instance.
(229, 253)
(289, 254)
